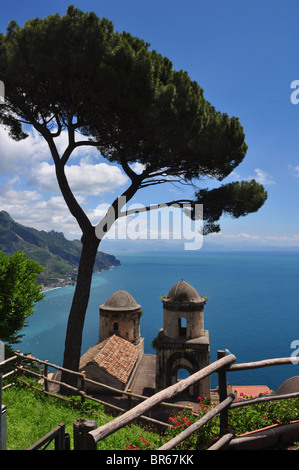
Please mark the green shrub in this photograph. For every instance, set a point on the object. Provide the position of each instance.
(31, 415)
(242, 420)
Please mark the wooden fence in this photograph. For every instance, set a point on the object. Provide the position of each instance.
(223, 365)
(57, 435)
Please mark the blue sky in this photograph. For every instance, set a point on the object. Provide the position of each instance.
(243, 53)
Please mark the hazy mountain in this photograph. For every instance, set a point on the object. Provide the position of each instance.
(59, 256)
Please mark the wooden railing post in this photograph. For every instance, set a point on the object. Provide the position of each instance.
(2, 419)
(46, 376)
(222, 396)
(18, 363)
(165, 394)
(82, 439)
(83, 386)
(129, 399)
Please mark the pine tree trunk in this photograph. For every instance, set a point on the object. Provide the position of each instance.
(73, 340)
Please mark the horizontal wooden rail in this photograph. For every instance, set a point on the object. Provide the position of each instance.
(12, 372)
(122, 410)
(57, 434)
(82, 376)
(264, 398)
(9, 359)
(28, 371)
(34, 359)
(168, 393)
(223, 365)
(83, 393)
(134, 395)
(223, 441)
(198, 424)
(264, 363)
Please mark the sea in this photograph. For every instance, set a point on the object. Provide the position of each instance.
(252, 307)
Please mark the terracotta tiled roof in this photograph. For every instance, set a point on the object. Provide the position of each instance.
(115, 355)
(247, 391)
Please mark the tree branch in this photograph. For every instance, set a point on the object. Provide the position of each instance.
(179, 203)
(129, 172)
(70, 200)
(72, 203)
(114, 211)
(71, 145)
(58, 132)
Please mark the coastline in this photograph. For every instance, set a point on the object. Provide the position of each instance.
(60, 282)
(239, 285)
(58, 285)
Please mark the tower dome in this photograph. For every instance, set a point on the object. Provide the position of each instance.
(120, 315)
(183, 302)
(121, 301)
(182, 291)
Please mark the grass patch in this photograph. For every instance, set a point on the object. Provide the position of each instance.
(31, 414)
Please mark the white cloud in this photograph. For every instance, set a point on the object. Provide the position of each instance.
(84, 178)
(94, 179)
(15, 155)
(12, 199)
(43, 176)
(9, 197)
(31, 159)
(35, 149)
(245, 239)
(32, 196)
(29, 209)
(294, 170)
(262, 177)
(138, 167)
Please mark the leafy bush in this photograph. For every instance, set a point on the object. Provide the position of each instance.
(242, 420)
(31, 415)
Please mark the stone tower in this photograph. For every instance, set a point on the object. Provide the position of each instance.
(120, 315)
(182, 343)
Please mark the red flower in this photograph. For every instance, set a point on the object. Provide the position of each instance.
(186, 421)
(143, 440)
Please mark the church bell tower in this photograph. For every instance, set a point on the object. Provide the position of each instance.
(182, 343)
(120, 316)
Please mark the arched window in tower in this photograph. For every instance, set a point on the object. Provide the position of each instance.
(182, 327)
(182, 373)
(115, 326)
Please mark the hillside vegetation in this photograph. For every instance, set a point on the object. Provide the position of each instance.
(59, 256)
